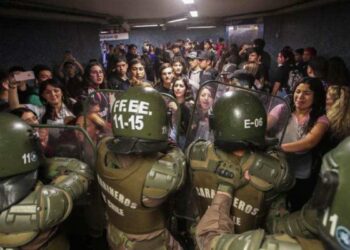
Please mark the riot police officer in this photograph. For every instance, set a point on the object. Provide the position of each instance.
(31, 210)
(137, 171)
(328, 209)
(238, 121)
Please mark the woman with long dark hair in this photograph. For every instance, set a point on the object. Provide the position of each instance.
(94, 80)
(56, 109)
(183, 94)
(306, 127)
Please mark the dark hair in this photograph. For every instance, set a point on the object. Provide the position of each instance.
(337, 72)
(311, 50)
(40, 67)
(87, 71)
(181, 60)
(188, 93)
(16, 68)
(164, 66)
(299, 51)
(121, 59)
(42, 87)
(130, 46)
(3, 76)
(319, 65)
(20, 111)
(208, 42)
(136, 61)
(288, 54)
(260, 43)
(319, 102)
(254, 50)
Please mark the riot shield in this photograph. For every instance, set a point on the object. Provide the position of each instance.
(69, 141)
(174, 116)
(277, 110)
(100, 103)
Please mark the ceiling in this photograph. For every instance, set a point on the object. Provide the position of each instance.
(151, 11)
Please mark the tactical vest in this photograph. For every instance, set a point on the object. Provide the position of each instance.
(248, 208)
(122, 190)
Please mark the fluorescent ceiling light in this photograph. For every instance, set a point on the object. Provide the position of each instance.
(194, 13)
(178, 20)
(188, 1)
(200, 27)
(145, 26)
(104, 32)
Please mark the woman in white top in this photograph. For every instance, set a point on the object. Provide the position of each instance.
(55, 110)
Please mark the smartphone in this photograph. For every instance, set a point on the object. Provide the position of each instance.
(24, 76)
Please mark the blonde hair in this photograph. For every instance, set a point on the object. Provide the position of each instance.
(252, 68)
(339, 113)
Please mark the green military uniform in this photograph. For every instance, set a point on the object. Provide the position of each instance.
(269, 177)
(239, 123)
(30, 210)
(325, 216)
(137, 171)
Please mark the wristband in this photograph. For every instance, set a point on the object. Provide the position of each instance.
(225, 188)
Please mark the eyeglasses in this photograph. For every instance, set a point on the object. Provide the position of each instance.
(97, 72)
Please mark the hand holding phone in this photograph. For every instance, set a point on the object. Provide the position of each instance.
(24, 76)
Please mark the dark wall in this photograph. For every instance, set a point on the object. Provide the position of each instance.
(25, 42)
(325, 28)
(157, 36)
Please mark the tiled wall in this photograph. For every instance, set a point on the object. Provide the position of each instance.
(26, 43)
(325, 28)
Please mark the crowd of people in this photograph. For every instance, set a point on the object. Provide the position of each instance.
(213, 85)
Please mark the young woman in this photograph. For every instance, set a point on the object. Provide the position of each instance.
(200, 123)
(306, 127)
(94, 80)
(183, 94)
(179, 67)
(56, 109)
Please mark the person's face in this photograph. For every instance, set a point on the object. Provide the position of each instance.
(298, 57)
(177, 67)
(179, 89)
(203, 64)
(280, 58)
(253, 57)
(91, 129)
(310, 72)
(167, 75)
(205, 99)
(206, 46)
(44, 75)
(303, 97)
(122, 68)
(52, 95)
(138, 71)
(30, 118)
(329, 101)
(193, 63)
(306, 56)
(71, 70)
(188, 46)
(176, 50)
(133, 50)
(96, 75)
